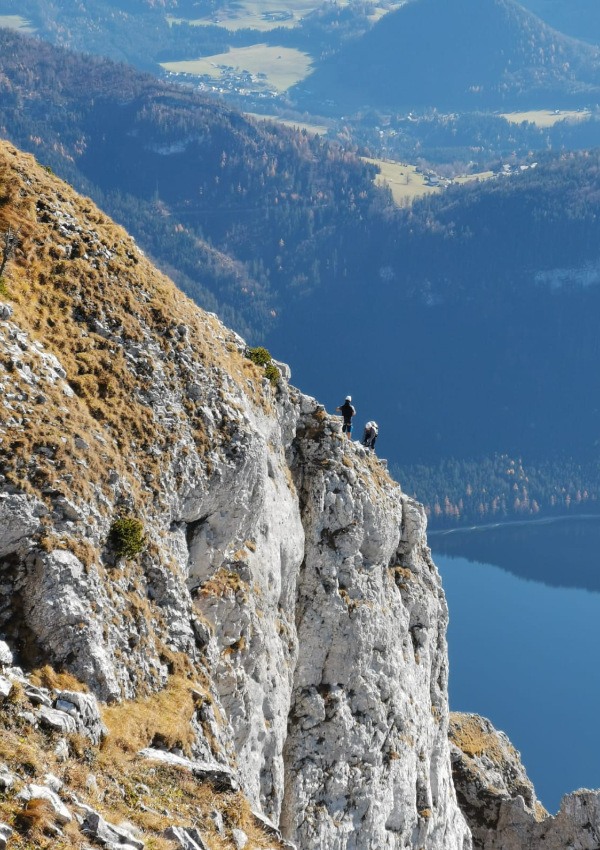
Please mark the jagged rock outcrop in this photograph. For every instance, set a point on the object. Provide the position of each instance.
(499, 800)
(366, 750)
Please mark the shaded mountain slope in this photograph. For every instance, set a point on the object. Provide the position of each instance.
(456, 54)
(239, 211)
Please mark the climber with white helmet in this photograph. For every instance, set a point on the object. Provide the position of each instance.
(370, 435)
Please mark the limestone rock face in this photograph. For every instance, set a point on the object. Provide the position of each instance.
(244, 555)
(19, 518)
(366, 753)
(489, 777)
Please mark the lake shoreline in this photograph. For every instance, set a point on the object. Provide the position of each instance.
(548, 520)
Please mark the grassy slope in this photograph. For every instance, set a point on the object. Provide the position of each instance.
(50, 296)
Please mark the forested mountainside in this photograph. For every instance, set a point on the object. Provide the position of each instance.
(191, 178)
(578, 18)
(474, 343)
(464, 54)
(457, 322)
(134, 32)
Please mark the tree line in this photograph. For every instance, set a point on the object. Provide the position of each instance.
(498, 488)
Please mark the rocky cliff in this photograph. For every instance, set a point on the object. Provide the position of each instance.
(176, 519)
(247, 598)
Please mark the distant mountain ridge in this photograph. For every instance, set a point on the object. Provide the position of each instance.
(457, 54)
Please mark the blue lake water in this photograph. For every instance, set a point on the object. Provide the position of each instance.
(524, 653)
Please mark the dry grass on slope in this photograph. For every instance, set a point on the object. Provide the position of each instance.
(80, 287)
(114, 781)
(473, 738)
(81, 291)
(482, 745)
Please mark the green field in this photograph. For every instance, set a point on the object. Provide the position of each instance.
(255, 14)
(281, 66)
(406, 182)
(468, 178)
(546, 117)
(16, 22)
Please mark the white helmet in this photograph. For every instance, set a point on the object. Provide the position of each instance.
(348, 398)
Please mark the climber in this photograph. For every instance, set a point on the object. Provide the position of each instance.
(347, 411)
(370, 435)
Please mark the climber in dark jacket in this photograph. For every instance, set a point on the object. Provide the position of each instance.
(347, 411)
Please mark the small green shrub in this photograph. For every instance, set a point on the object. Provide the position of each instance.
(4, 293)
(259, 356)
(127, 537)
(262, 357)
(272, 373)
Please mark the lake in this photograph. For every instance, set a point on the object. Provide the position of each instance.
(523, 639)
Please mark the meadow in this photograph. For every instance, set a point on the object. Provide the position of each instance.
(313, 129)
(547, 117)
(407, 182)
(264, 16)
(254, 14)
(282, 67)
